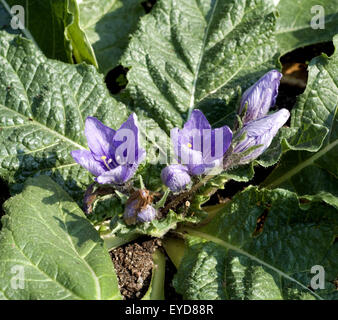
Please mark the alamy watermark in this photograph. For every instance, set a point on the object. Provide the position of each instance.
(18, 280)
(318, 20)
(18, 17)
(318, 280)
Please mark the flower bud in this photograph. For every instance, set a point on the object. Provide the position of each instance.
(147, 214)
(258, 99)
(257, 135)
(175, 177)
(134, 213)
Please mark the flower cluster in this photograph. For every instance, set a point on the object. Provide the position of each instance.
(114, 156)
(199, 148)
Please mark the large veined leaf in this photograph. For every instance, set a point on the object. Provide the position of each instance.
(49, 250)
(261, 245)
(108, 24)
(295, 30)
(54, 25)
(43, 106)
(189, 53)
(315, 119)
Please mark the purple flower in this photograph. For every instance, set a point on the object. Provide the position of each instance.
(198, 146)
(260, 96)
(175, 177)
(114, 155)
(259, 132)
(133, 213)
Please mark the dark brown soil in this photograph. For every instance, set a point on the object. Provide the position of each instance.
(133, 264)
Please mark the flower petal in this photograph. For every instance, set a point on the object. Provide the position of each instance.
(258, 132)
(118, 175)
(184, 146)
(128, 135)
(99, 137)
(215, 143)
(86, 160)
(260, 96)
(197, 120)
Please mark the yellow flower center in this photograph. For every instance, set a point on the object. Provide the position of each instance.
(106, 162)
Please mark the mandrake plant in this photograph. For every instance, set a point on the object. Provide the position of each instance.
(89, 171)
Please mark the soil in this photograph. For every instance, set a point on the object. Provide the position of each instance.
(133, 264)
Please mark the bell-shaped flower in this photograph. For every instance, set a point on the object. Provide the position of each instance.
(198, 146)
(260, 97)
(176, 177)
(256, 136)
(113, 156)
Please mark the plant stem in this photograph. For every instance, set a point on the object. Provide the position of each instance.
(186, 195)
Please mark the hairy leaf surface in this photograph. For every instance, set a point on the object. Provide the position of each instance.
(261, 245)
(54, 26)
(47, 240)
(43, 106)
(295, 30)
(188, 54)
(108, 24)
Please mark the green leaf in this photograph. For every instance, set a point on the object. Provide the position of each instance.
(54, 26)
(81, 47)
(294, 30)
(43, 106)
(108, 24)
(156, 287)
(105, 207)
(47, 29)
(62, 255)
(313, 168)
(175, 250)
(261, 245)
(191, 54)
